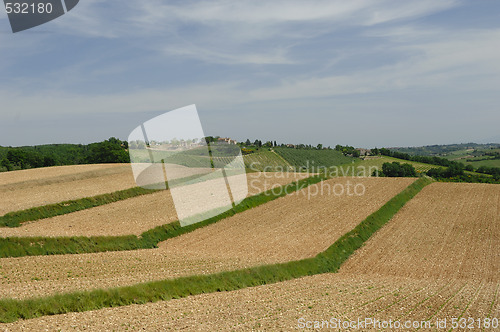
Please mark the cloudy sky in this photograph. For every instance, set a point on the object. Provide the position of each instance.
(363, 73)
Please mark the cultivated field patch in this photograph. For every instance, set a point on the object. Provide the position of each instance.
(71, 184)
(44, 275)
(54, 173)
(293, 227)
(271, 233)
(291, 304)
(378, 161)
(131, 216)
(449, 230)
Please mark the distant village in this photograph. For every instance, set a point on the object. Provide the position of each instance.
(186, 144)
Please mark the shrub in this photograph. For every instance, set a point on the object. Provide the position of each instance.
(396, 169)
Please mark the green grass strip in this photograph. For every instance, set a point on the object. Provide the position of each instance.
(15, 219)
(326, 262)
(37, 246)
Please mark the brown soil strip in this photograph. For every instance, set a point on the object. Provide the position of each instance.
(45, 173)
(131, 216)
(449, 230)
(293, 227)
(67, 186)
(270, 307)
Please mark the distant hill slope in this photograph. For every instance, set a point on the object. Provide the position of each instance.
(312, 159)
(442, 150)
(379, 161)
(473, 154)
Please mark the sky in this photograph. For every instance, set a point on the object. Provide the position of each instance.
(363, 73)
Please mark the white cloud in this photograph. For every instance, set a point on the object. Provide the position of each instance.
(53, 103)
(368, 12)
(262, 32)
(252, 53)
(463, 61)
(232, 32)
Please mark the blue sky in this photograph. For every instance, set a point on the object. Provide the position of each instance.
(363, 73)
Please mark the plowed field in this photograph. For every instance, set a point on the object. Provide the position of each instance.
(131, 216)
(287, 228)
(436, 259)
(285, 306)
(449, 230)
(25, 189)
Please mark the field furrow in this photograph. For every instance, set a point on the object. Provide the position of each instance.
(438, 258)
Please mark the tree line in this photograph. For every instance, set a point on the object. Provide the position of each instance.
(493, 171)
(112, 150)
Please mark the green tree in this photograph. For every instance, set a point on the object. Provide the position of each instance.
(454, 170)
(7, 164)
(17, 157)
(110, 151)
(395, 169)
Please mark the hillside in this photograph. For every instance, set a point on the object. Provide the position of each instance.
(443, 150)
(308, 159)
(475, 155)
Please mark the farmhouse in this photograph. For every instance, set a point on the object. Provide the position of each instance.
(226, 140)
(364, 152)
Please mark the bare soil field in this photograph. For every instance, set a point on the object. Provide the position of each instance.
(288, 228)
(44, 275)
(52, 173)
(27, 188)
(292, 227)
(289, 305)
(449, 230)
(131, 216)
(436, 259)
(74, 182)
